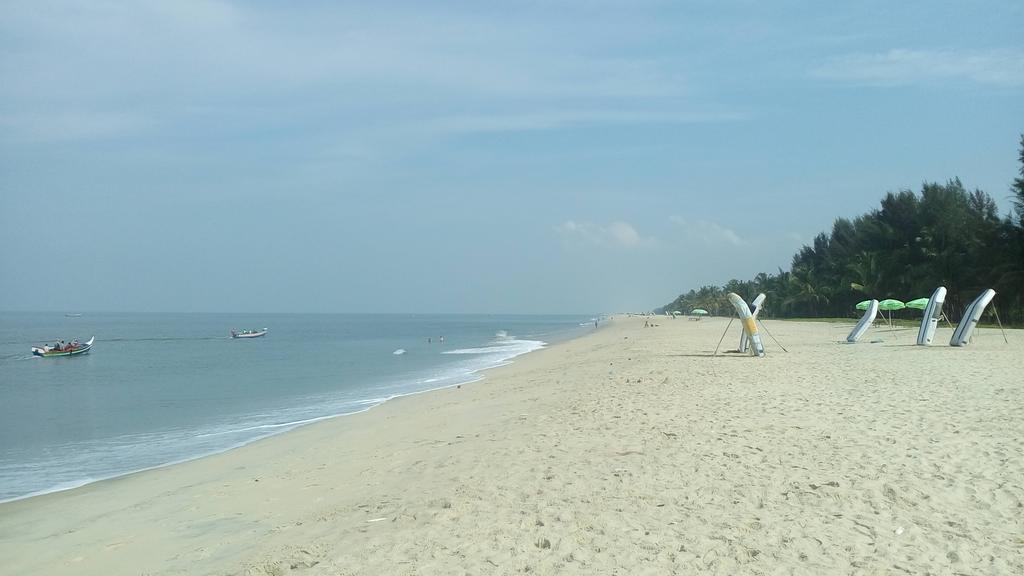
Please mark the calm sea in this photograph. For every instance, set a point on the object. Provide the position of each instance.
(164, 388)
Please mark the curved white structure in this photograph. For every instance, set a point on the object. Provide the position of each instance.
(865, 322)
(749, 325)
(962, 334)
(932, 313)
(756, 308)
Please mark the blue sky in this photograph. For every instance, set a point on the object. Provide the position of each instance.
(472, 156)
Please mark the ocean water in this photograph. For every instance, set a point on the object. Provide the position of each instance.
(164, 388)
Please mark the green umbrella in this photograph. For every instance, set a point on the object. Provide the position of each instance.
(889, 305)
(920, 303)
(699, 312)
(863, 305)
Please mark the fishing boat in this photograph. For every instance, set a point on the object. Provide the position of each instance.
(249, 333)
(73, 349)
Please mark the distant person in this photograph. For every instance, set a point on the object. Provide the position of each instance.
(442, 339)
(430, 340)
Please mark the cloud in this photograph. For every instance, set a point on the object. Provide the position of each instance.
(71, 125)
(556, 119)
(707, 232)
(618, 233)
(352, 71)
(903, 67)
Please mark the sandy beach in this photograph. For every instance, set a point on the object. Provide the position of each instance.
(628, 451)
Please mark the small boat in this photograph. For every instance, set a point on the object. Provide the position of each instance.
(249, 333)
(72, 315)
(73, 349)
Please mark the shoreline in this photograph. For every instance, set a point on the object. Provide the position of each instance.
(628, 449)
(369, 404)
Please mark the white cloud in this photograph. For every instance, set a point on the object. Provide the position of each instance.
(707, 232)
(617, 233)
(555, 119)
(71, 125)
(901, 67)
(346, 66)
(624, 234)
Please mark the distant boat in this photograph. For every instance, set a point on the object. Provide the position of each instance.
(249, 333)
(73, 315)
(73, 349)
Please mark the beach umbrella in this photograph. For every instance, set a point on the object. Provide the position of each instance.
(920, 303)
(699, 312)
(864, 305)
(889, 305)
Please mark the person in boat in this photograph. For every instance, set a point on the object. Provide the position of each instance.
(60, 346)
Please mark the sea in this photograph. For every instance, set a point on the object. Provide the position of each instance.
(158, 389)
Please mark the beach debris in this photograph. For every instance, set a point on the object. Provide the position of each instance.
(543, 543)
(899, 530)
(376, 519)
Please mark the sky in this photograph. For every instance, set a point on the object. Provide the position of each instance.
(472, 157)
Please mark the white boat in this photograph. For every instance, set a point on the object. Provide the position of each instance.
(755, 309)
(865, 322)
(248, 333)
(749, 324)
(72, 349)
(932, 313)
(962, 334)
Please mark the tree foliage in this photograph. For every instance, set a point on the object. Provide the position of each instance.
(945, 235)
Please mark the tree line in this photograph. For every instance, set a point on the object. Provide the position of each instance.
(945, 235)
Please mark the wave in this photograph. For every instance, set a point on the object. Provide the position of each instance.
(482, 350)
(75, 464)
